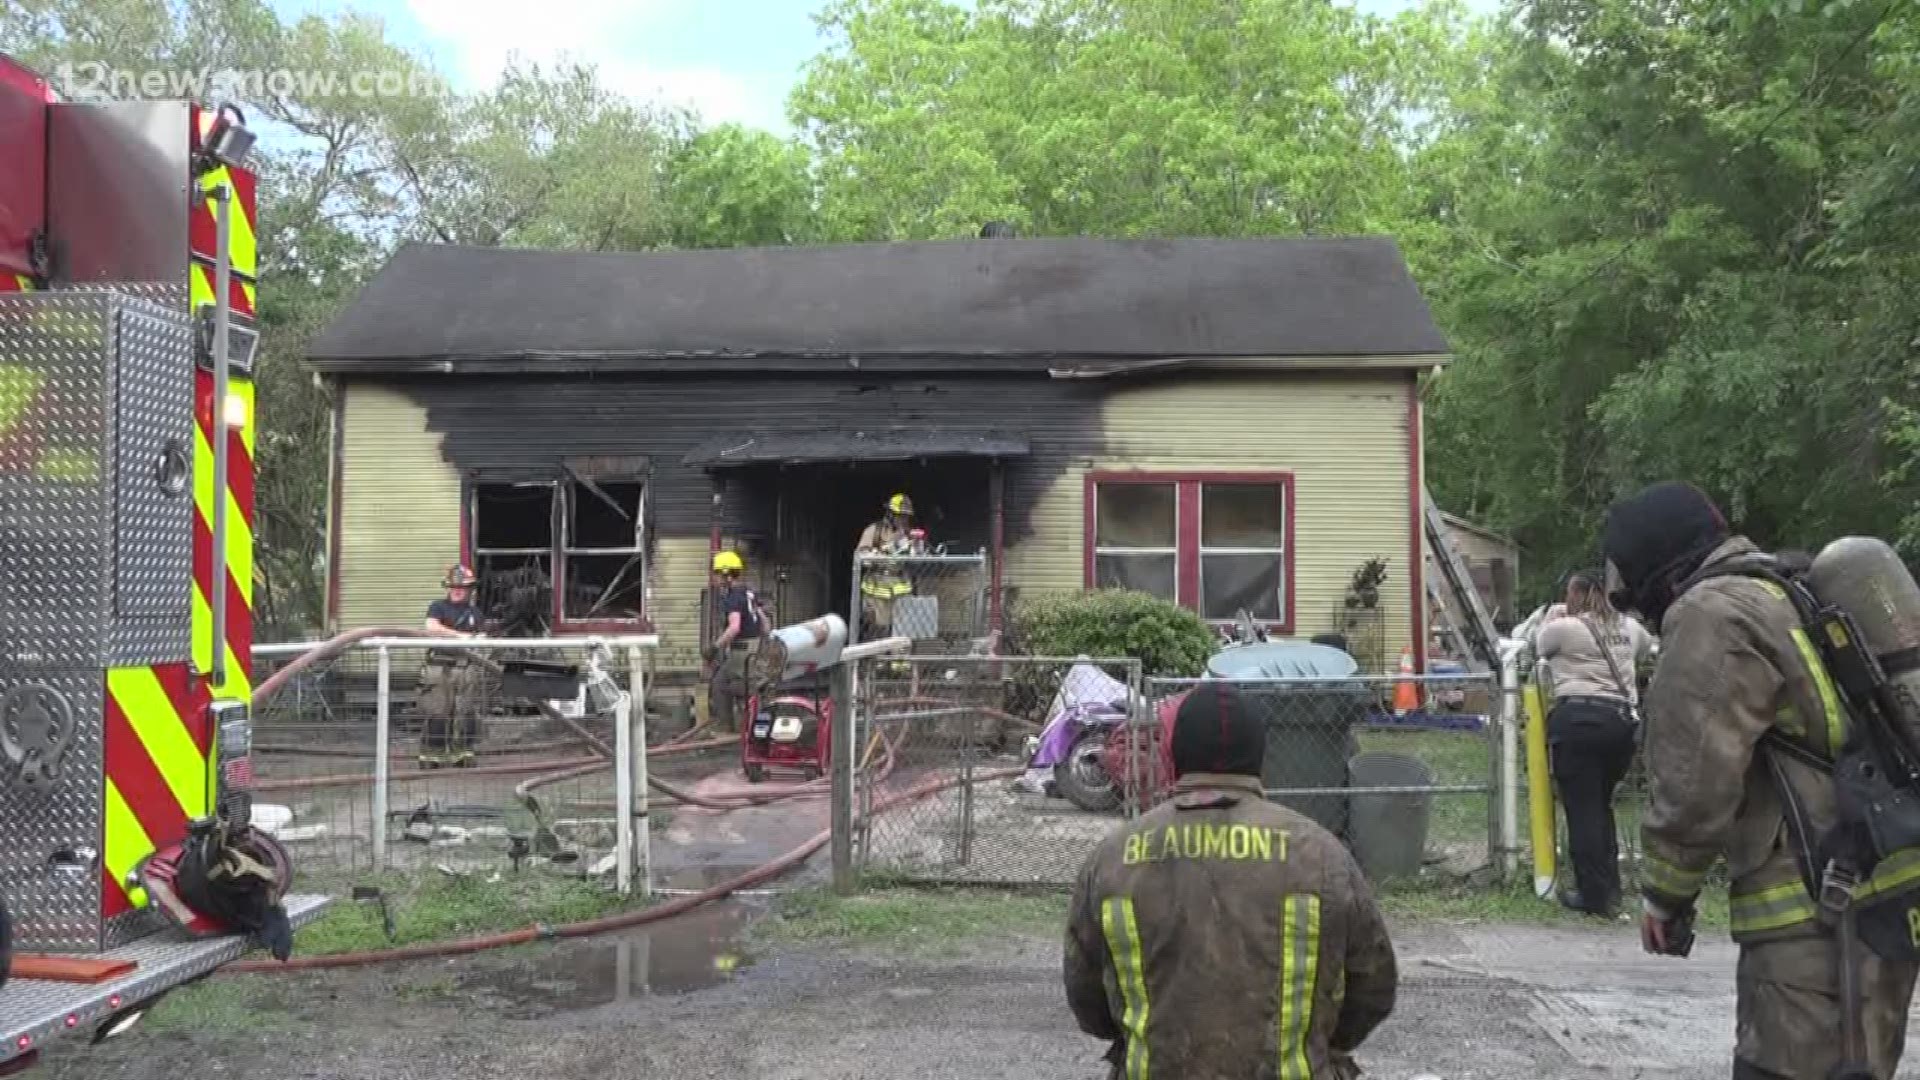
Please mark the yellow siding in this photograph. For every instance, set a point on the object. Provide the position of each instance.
(1344, 437)
(399, 510)
(677, 575)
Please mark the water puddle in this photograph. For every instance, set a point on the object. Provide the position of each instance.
(696, 951)
(696, 878)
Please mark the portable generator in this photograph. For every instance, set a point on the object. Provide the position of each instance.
(790, 700)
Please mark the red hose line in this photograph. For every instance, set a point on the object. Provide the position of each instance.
(352, 779)
(326, 650)
(306, 750)
(590, 927)
(662, 750)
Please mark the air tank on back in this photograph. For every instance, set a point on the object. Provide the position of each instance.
(1865, 578)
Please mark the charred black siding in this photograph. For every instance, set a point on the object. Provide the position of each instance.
(517, 424)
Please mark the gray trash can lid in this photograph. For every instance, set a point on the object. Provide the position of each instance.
(1281, 660)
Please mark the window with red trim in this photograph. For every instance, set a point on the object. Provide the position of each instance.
(1218, 543)
(568, 551)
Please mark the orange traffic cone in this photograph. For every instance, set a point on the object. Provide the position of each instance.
(1406, 694)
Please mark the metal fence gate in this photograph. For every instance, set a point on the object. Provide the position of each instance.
(965, 722)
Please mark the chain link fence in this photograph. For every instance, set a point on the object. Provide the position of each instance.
(1402, 769)
(1030, 802)
(937, 601)
(1052, 754)
(484, 768)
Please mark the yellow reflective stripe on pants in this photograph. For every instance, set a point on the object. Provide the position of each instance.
(1123, 941)
(1829, 697)
(1299, 971)
(1773, 908)
(1670, 880)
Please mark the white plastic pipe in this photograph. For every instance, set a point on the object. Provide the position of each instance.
(623, 793)
(1509, 838)
(382, 739)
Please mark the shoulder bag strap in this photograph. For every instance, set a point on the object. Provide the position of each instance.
(1626, 691)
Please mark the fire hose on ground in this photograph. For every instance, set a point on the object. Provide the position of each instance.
(627, 920)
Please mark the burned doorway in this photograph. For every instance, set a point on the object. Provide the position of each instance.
(801, 500)
(820, 510)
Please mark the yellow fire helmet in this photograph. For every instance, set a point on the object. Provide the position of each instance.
(726, 562)
(900, 504)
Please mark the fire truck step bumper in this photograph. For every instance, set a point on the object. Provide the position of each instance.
(34, 1013)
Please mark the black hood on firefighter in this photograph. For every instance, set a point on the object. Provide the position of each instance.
(1656, 539)
(1215, 731)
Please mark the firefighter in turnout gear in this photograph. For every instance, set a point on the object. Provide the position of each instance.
(743, 622)
(881, 581)
(1735, 665)
(1221, 934)
(451, 681)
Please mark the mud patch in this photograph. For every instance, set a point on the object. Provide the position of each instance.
(700, 950)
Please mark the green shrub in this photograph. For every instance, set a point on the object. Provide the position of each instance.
(1167, 639)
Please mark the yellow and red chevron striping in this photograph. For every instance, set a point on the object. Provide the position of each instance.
(157, 741)
(203, 231)
(236, 592)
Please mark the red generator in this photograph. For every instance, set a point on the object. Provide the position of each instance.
(793, 730)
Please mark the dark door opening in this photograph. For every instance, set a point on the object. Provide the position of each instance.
(819, 510)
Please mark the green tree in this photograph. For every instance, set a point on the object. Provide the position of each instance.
(1116, 117)
(734, 185)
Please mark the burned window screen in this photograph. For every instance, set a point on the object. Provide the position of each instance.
(1243, 530)
(605, 565)
(1136, 537)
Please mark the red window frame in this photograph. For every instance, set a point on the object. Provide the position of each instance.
(1187, 496)
(556, 557)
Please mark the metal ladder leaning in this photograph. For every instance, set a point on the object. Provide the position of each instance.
(1455, 591)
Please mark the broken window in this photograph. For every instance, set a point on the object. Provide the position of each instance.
(1136, 539)
(512, 530)
(588, 533)
(604, 551)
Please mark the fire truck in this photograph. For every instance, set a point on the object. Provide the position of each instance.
(127, 295)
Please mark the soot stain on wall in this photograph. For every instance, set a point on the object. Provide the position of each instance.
(505, 425)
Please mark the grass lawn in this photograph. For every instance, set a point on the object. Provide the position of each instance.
(434, 906)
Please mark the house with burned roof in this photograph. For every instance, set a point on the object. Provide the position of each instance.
(1234, 424)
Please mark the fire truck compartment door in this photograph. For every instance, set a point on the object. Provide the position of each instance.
(153, 469)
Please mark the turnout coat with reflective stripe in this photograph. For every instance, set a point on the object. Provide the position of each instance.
(1734, 663)
(1224, 937)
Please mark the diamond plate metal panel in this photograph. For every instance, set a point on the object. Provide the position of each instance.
(53, 495)
(56, 910)
(37, 1011)
(152, 501)
(69, 564)
(95, 553)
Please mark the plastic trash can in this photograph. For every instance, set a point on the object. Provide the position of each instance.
(1310, 719)
(1389, 832)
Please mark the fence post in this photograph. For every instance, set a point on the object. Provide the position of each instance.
(641, 799)
(623, 792)
(842, 764)
(1509, 777)
(382, 752)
